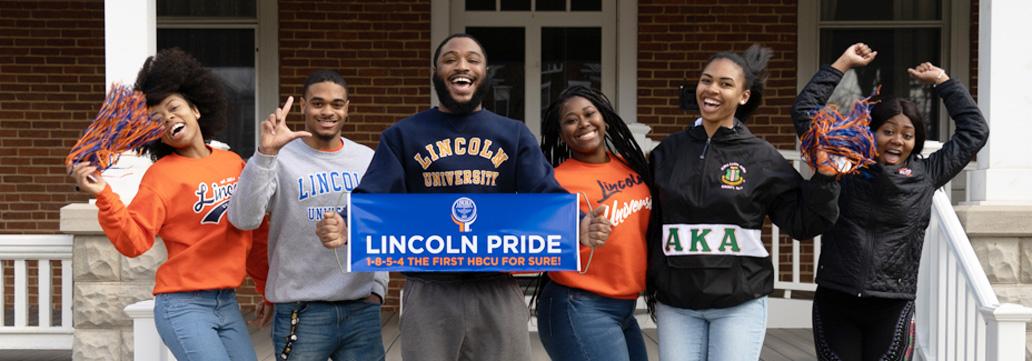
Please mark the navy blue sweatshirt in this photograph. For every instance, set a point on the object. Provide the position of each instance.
(437, 152)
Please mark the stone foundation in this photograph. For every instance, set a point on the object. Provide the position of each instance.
(104, 283)
(1002, 239)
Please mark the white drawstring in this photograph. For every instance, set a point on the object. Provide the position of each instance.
(592, 254)
(335, 255)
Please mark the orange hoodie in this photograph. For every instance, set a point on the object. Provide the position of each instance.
(618, 267)
(184, 201)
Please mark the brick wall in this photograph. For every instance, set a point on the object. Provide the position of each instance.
(676, 38)
(382, 48)
(51, 78)
(51, 83)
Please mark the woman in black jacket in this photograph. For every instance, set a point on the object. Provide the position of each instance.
(709, 273)
(867, 276)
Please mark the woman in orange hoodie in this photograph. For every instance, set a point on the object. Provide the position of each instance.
(589, 315)
(183, 199)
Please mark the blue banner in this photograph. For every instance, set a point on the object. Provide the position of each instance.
(463, 232)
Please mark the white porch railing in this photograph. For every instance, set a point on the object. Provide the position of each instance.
(958, 316)
(786, 312)
(147, 345)
(21, 333)
(796, 283)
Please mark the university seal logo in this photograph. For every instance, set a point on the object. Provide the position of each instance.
(464, 213)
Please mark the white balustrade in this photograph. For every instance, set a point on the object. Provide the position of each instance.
(147, 345)
(785, 311)
(45, 251)
(796, 283)
(958, 316)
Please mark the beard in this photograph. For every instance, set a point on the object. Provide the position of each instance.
(325, 137)
(454, 105)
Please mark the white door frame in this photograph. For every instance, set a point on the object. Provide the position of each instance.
(266, 57)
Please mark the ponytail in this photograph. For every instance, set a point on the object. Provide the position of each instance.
(754, 65)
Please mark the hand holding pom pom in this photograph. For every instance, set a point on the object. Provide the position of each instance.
(122, 124)
(836, 145)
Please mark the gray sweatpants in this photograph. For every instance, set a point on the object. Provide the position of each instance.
(464, 320)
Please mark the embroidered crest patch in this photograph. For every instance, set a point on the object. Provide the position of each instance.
(732, 176)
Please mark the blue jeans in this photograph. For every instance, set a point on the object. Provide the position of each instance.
(716, 334)
(580, 325)
(203, 325)
(342, 331)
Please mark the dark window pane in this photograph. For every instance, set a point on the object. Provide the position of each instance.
(832, 10)
(480, 5)
(586, 5)
(230, 54)
(505, 61)
(569, 56)
(515, 5)
(207, 8)
(550, 5)
(898, 49)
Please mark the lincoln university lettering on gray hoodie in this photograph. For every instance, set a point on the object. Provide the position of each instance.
(295, 187)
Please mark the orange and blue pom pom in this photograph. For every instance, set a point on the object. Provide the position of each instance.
(846, 139)
(122, 124)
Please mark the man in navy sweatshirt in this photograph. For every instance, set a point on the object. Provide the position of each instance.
(458, 147)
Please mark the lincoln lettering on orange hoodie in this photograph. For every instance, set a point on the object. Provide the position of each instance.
(617, 269)
(184, 201)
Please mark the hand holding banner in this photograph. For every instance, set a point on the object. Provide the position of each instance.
(463, 232)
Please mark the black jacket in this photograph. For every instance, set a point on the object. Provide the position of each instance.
(721, 189)
(875, 247)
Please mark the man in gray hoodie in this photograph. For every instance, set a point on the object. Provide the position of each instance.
(321, 311)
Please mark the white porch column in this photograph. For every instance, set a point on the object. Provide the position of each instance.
(627, 73)
(1004, 174)
(130, 36)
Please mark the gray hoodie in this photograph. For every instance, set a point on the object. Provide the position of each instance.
(295, 187)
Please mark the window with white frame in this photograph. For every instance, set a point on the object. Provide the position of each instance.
(537, 48)
(225, 37)
(905, 33)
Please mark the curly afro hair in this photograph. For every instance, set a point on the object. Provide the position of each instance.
(173, 71)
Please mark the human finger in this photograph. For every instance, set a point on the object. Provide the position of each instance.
(85, 170)
(332, 217)
(281, 113)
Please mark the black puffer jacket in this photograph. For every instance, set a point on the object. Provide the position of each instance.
(875, 247)
(710, 197)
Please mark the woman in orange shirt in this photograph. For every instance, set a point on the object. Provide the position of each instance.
(589, 315)
(183, 198)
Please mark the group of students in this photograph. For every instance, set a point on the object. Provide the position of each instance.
(682, 226)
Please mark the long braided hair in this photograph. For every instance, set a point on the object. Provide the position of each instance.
(619, 139)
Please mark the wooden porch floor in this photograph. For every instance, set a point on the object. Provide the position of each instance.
(779, 345)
